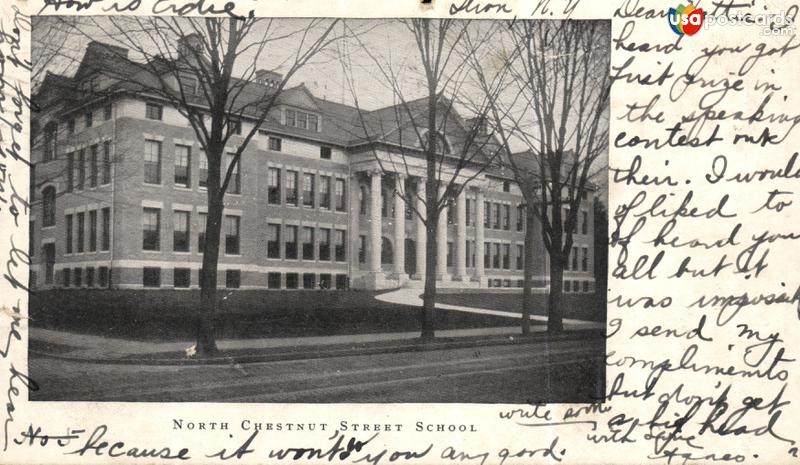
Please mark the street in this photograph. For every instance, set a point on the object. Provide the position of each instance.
(515, 373)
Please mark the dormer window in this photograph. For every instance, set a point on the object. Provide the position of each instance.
(189, 85)
(442, 145)
(301, 119)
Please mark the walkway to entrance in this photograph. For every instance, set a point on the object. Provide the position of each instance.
(411, 296)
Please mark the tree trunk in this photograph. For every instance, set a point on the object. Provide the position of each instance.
(530, 256)
(429, 295)
(555, 318)
(206, 320)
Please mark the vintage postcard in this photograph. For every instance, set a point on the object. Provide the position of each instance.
(427, 232)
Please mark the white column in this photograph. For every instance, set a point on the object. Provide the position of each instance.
(441, 240)
(461, 235)
(479, 236)
(375, 222)
(422, 234)
(399, 226)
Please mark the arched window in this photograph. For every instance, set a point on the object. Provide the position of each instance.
(387, 252)
(49, 206)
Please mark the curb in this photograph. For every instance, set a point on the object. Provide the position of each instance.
(338, 350)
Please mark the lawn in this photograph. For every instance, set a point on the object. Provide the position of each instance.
(579, 306)
(167, 315)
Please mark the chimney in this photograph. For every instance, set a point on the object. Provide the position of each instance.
(269, 78)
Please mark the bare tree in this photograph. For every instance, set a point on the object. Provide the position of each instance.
(558, 112)
(206, 68)
(416, 129)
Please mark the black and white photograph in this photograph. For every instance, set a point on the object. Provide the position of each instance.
(318, 210)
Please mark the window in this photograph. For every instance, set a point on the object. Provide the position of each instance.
(90, 277)
(71, 126)
(102, 276)
(49, 206)
(92, 230)
(308, 189)
(68, 240)
(202, 173)
(77, 277)
(301, 119)
(506, 217)
(341, 281)
(363, 200)
(487, 255)
(50, 140)
(450, 211)
(308, 243)
(325, 192)
(67, 277)
(567, 286)
(487, 214)
(497, 216)
(80, 218)
(291, 242)
(506, 256)
(340, 198)
(274, 186)
(201, 232)
(70, 172)
(233, 279)
(520, 257)
(506, 186)
(275, 144)
(88, 119)
(520, 217)
(107, 112)
(151, 277)
(291, 280)
(235, 184)
(291, 188)
(586, 286)
(339, 249)
(93, 168)
(324, 281)
(496, 257)
(180, 231)
(309, 280)
(273, 280)
(183, 157)
(152, 162)
(236, 127)
(231, 235)
(585, 259)
(584, 222)
(31, 238)
(362, 249)
(325, 153)
(273, 240)
(188, 84)
(151, 229)
(81, 167)
(105, 228)
(449, 260)
(106, 163)
(153, 111)
(468, 206)
(324, 244)
(575, 258)
(181, 277)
